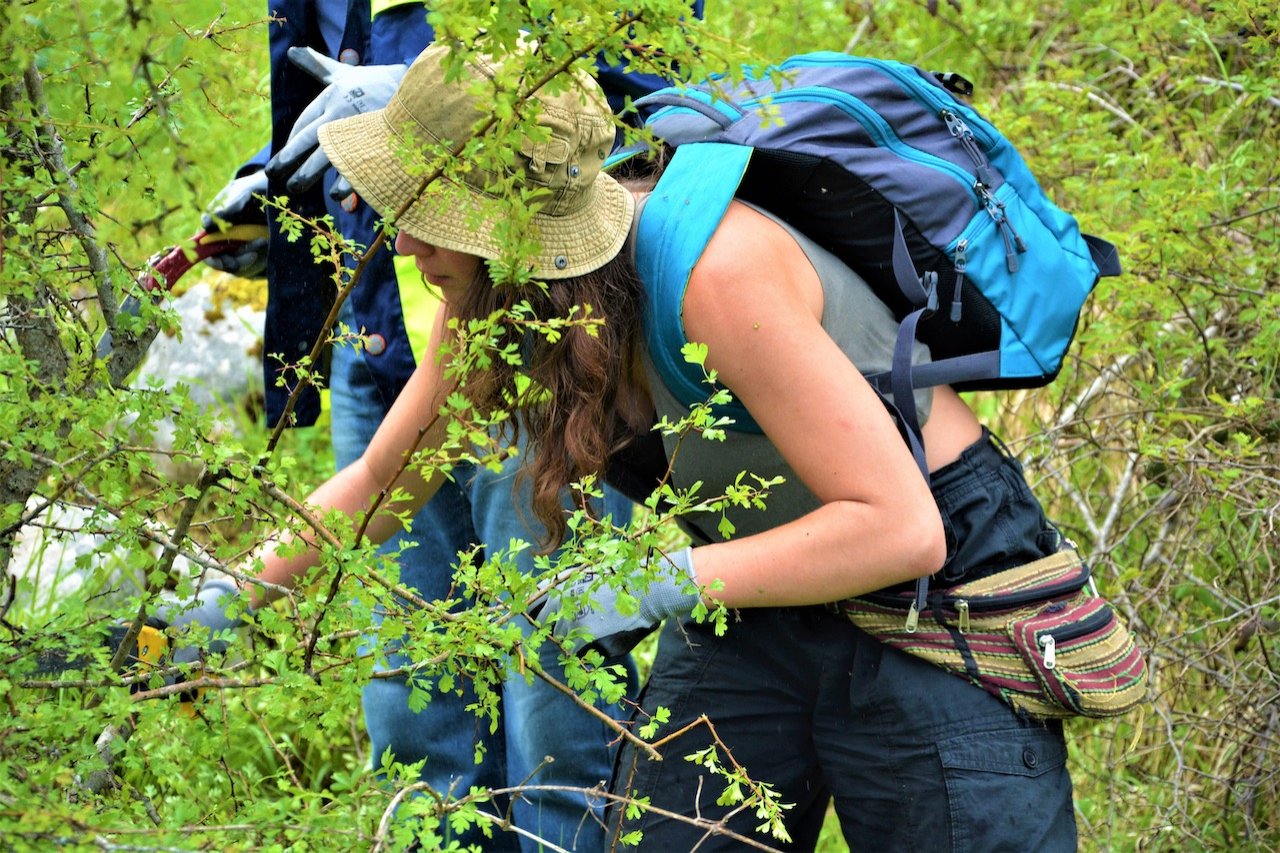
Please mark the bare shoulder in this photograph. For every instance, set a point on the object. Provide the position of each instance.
(752, 269)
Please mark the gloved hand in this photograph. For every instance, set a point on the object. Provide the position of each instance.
(341, 189)
(196, 623)
(240, 203)
(350, 90)
(674, 592)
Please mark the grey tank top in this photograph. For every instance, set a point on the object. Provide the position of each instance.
(861, 325)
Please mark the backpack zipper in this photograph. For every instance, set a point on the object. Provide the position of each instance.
(881, 132)
(943, 105)
(1013, 244)
(905, 76)
(962, 133)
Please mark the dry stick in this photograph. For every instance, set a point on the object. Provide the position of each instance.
(1234, 219)
(1106, 104)
(1119, 493)
(851, 45)
(1104, 530)
(1095, 389)
(443, 806)
(1236, 87)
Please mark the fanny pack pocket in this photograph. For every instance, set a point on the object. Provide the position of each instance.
(1037, 636)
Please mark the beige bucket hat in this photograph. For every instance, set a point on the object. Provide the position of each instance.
(583, 215)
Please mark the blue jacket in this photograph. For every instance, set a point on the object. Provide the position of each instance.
(300, 293)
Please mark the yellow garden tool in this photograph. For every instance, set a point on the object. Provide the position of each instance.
(150, 651)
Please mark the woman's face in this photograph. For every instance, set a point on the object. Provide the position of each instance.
(448, 270)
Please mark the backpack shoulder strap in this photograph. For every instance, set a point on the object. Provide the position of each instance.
(675, 225)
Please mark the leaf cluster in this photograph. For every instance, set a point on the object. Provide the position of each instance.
(1155, 449)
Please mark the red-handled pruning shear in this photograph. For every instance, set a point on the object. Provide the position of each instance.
(165, 268)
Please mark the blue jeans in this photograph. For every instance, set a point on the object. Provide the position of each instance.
(477, 506)
(914, 758)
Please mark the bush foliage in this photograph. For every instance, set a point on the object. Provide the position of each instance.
(1156, 449)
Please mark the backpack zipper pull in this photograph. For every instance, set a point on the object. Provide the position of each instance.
(913, 618)
(1017, 239)
(961, 263)
(1012, 242)
(963, 135)
(962, 607)
(1050, 651)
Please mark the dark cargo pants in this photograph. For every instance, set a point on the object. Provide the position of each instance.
(914, 758)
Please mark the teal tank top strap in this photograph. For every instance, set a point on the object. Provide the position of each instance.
(672, 231)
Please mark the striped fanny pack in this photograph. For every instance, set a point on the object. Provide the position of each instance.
(1037, 636)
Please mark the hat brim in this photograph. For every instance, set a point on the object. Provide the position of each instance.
(367, 150)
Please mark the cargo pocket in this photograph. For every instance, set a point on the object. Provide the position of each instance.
(1009, 790)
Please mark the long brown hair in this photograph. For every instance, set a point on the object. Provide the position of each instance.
(582, 402)
(587, 397)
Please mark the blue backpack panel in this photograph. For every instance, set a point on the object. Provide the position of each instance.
(879, 163)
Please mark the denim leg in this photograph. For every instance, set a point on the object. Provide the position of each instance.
(445, 733)
(540, 722)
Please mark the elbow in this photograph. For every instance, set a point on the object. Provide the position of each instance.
(924, 545)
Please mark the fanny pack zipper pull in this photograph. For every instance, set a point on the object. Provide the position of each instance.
(962, 607)
(1050, 651)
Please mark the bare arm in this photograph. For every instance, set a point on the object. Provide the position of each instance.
(410, 425)
(756, 302)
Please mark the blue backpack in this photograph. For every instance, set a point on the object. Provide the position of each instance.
(876, 161)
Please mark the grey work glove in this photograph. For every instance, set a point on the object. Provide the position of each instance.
(240, 203)
(350, 90)
(196, 624)
(674, 592)
(341, 189)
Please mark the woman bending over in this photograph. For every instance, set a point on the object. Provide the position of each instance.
(913, 757)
